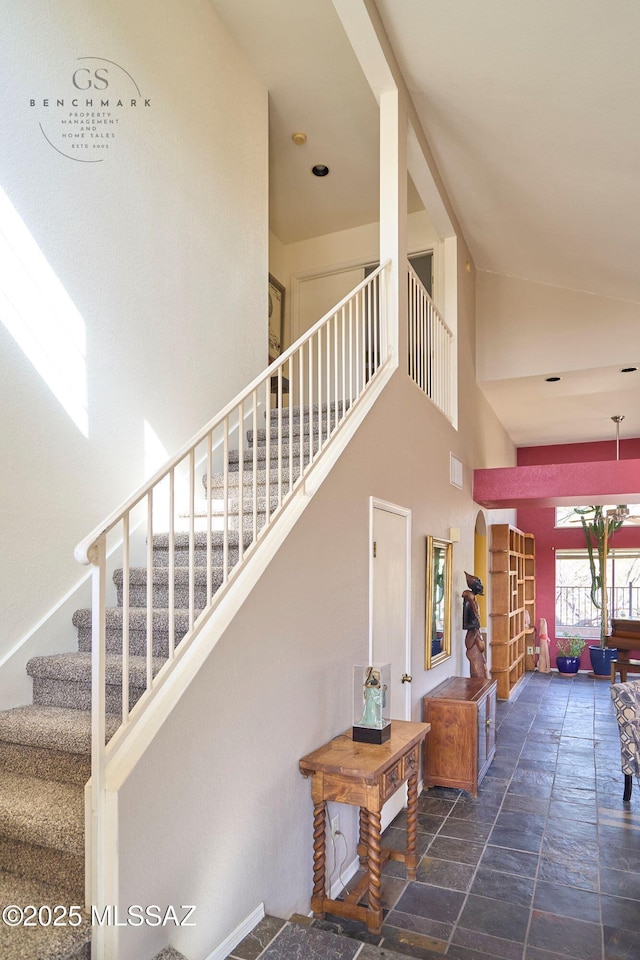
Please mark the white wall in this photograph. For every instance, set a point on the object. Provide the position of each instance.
(518, 319)
(151, 246)
(278, 684)
(293, 262)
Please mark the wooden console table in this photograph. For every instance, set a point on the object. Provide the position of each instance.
(364, 775)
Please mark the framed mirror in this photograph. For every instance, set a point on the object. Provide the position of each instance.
(438, 615)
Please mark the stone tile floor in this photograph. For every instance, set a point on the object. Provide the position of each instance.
(544, 865)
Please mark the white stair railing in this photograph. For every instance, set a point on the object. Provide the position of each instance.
(431, 345)
(180, 549)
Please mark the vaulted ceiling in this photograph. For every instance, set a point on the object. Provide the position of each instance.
(532, 111)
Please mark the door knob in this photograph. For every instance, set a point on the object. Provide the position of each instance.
(406, 678)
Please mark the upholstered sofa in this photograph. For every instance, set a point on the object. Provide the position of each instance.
(626, 699)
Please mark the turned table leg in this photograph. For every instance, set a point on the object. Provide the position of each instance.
(363, 846)
(374, 922)
(411, 857)
(319, 859)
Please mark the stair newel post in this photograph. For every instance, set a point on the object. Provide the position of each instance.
(149, 588)
(351, 353)
(267, 460)
(336, 378)
(319, 400)
(240, 477)
(311, 399)
(343, 356)
(125, 617)
(172, 562)
(97, 557)
(291, 371)
(192, 535)
(301, 407)
(254, 483)
(225, 500)
(279, 395)
(209, 561)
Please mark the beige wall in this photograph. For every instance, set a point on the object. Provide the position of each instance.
(278, 684)
(518, 320)
(293, 262)
(151, 247)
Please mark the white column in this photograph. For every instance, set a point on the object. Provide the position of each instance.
(393, 217)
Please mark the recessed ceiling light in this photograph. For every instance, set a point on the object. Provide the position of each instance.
(628, 369)
(320, 170)
(552, 379)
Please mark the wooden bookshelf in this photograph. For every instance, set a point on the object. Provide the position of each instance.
(512, 596)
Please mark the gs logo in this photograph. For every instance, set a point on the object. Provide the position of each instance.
(85, 79)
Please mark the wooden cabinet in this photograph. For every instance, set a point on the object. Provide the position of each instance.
(462, 742)
(513, 600)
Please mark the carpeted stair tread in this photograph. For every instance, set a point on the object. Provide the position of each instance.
(114, 617)
(77, 666)
(51, 728)
(295, 413)
(42, 812)
(169, 953)
(292, 450)
(40, 942)
(181, 540)
(160, 575)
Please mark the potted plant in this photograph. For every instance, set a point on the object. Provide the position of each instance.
(599, 525)
(568, 654)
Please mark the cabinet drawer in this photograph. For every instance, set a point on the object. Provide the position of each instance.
(411, 762)
(391, 780)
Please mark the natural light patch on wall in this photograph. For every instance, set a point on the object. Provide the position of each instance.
(40, 316)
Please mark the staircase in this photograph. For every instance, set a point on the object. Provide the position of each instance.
(45, 748)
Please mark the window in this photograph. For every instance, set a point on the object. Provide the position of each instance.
(567, 516)
(574, 609)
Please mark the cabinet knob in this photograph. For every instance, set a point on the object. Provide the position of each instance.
(406, 678)
(489, 722)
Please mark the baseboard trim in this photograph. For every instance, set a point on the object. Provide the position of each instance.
(241, 931)
(338, 885)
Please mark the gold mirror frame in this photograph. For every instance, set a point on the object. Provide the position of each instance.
(438, 614)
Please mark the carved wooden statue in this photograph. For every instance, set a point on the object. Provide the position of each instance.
(474, 641)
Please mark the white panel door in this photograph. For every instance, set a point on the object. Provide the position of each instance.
(390, 640)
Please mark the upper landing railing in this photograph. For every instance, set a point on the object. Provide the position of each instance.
(431, 344)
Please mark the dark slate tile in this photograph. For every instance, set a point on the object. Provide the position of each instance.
(475, 812)
(413, 944)
(574, 829)
(482, 915)
(485, 945)
(395, 839)
(580, 874)
(397, 921)
(515, 862)
(586, 812)
(621, 944)
(444, 873)
(624, 914)
(522, 804)
(428, 823)
(504, 887)
(384, 953)
(620, 883)
(465, 830)
(619, 858)
(569, 848)
(533, 953)
(566, 901)
(515, 839)
(436, 806)
(294, 942)
(343, 927)
(261, 935)
(540, 790)
(462, 851)
(423, 900)
(566, 936)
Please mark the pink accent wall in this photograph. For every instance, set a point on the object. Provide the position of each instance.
(540, 521)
